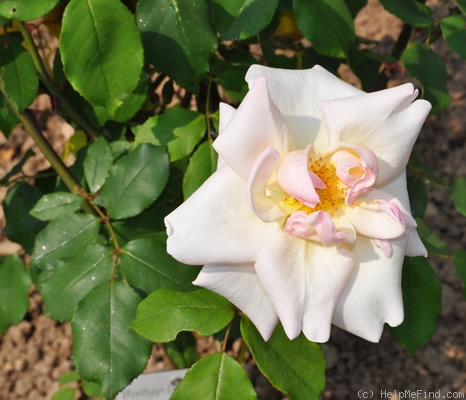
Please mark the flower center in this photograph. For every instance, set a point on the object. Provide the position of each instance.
(332, 197)
(331, 193)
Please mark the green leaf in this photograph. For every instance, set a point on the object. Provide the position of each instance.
(429, 70)
(178, 37)
(105, 350)
(74, 278)
(354, 6)
(67, 377)
(215, 377)
(54, 205)
(417, 196)
(91, 389)
(97, 164)
(120, 147)
(454, 33)
(327, 24)
(461, 4)
(424, 171)
(64, 237)
(146, 266)
(22, 227)
(232, 81)
(8, 119)
(26, 10)
(365, 65)
(241, 19)
(179, 128)
(458, 194)
(459, 260)
(101, 51)
(431, 241)
(148, 223)
(296, 367)
(422, 299)
(135, 181)
(14, 288)
(17, 74)
(165, 313)
(64, 394)
(188, 134)
(182, 351)
(411, 11)
(131, 103)
(311, 58)
(201, 165)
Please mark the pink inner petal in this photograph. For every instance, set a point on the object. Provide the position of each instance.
(317, 226)
(348, 167)
(295, 178)
(356, 166)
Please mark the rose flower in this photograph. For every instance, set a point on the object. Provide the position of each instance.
(307, 220)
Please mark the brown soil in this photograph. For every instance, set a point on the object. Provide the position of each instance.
(35, 353)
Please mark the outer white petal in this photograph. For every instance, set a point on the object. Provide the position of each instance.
(415, 247)
(256, 125)
(325, 281)
(298, 95)
(373, 295)
(387, 122)
(353, 119)
(395, 139)
(216, 224)
(304, 281)
(226, 112)
(240, 285)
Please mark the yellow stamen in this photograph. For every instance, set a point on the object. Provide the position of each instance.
(333, 196)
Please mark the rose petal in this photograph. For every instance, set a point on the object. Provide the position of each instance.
(226, 113)
(415, 247)
(395, 139)
(387, 122)
(216, 224)
(344, 225)
(240, 285)
(256, 125)
(262, 205)
(370, 219)
(304, 281)
(295, 178)
(325, 284)
(397, 193)
(373, 295)
(317, 226)
(354, 119)
(347, 156)
(298, 94)
(385, 245)
(348, 167)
